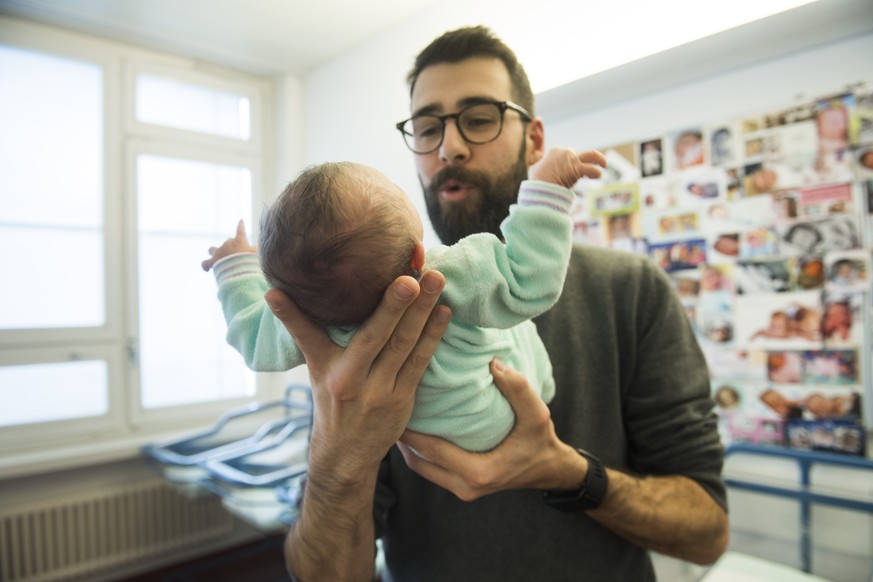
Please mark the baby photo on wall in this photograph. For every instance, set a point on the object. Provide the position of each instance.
(779, 320)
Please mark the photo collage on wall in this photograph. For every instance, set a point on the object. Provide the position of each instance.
(761, 222)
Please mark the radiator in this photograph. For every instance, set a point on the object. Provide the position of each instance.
(78, 536)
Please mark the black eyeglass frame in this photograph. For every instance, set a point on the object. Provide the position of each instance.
(501, 105)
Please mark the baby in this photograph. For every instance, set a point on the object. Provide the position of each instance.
(341, 233)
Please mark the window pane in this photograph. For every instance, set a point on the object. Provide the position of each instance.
(59, 278)
(166, 101)
(47, 392)
(51, 191)
(184, 208)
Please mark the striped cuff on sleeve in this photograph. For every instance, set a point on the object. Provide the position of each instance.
(534, 192)
(236, 265)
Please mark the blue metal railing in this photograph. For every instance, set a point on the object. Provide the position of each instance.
(803, 494)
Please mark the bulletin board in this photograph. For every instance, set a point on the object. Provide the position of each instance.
(764, 225)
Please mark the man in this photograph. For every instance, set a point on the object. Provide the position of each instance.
(632, 393)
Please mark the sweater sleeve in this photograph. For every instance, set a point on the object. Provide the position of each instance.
(261, 339)
(495, 284)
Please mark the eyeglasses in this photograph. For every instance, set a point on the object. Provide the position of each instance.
(477, 124)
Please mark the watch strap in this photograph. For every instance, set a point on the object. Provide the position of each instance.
(591, 493)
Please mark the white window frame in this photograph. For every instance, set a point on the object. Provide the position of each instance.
(135, 148)
(190, 72)
(120, 433)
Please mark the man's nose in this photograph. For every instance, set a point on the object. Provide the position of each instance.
(454, 148)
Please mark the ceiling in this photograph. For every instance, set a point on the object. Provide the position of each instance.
(297, 36)
(261, 36)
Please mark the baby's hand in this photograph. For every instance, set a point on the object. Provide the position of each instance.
(237, 244)
(565, 166)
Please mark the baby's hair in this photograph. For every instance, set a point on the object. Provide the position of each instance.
(333, 244)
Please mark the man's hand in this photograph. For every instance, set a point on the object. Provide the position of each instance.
(529, 457)
(363, 397)
(364, 393)
(237, 244)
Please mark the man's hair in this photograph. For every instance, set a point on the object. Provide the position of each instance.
(333, 253)
(471, 42)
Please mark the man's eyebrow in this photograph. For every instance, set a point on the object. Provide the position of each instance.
(436, 108)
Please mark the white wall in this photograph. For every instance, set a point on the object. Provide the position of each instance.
(775, 83)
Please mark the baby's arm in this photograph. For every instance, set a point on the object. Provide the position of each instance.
(492, 284)
(237, 244)
(251, 327)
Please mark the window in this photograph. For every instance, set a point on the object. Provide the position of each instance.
(112, 188)
(51, 179)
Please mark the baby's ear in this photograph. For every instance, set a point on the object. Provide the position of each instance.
(417, 260)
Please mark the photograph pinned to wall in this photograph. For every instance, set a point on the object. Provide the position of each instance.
(825, 200)
(836, 435)
(758, 242)
(734, 183)
(620, 198)
(621, 164)
(724, 246)
(769, 176)
(753, 148)
(786, 205)
(742, 417)
(783, 367)
(687, 285)
(674, 224)
(848, 271)
(863, 114)
(701, 186)
(793, 145)
(588, 232)
(736, 363)
(775, 275)
(723, 145)
(810, 272)
(752, 212)
(864, 163)
(842, 324)
(837, 232)
(687, 148)
(715, 312)
(779, 320)
(830, 367)
(623, 232)
(834, 162)
(655, 194)
(802, 112)
(675, 255)
(651, 156)
(833, 119)
(867, 194)
(810, 402)
(759, 179)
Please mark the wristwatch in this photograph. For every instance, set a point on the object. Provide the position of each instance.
(589, 496)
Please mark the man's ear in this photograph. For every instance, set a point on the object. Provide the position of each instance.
(417, 261)
(536, 141)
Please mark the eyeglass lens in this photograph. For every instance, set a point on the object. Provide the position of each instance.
(477, 124)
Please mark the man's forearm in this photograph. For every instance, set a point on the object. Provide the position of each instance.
(333, 536)
(672, 515)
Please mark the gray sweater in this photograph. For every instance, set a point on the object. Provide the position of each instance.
(632, 388)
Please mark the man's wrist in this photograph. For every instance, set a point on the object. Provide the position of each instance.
(589, 495)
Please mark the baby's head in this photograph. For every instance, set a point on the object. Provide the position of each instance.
(336, 237)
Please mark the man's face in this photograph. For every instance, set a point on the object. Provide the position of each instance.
(468, 188)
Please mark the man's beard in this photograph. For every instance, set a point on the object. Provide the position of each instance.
(485, 213)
